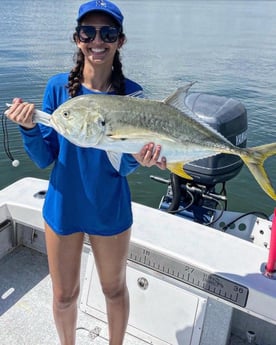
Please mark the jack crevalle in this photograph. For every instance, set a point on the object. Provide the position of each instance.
(124, 124)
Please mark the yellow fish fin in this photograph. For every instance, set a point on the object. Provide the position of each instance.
(255, 160)
(177, 168)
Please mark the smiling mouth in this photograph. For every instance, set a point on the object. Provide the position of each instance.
(97, 50)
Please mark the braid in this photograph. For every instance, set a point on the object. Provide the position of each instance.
(117, 78)
(75, 76)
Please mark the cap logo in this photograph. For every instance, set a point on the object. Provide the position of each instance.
(101, 3)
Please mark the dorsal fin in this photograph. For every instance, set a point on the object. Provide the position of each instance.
(176, 99)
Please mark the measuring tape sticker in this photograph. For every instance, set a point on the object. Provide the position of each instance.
(189, 274)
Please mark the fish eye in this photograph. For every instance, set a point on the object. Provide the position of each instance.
(66, 113)
(101, 121)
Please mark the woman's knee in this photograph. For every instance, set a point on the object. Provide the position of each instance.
(64, 298)
(114, 291)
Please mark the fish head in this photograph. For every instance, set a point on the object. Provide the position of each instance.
(80, 124)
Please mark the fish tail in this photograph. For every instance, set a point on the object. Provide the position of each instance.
(255, 163)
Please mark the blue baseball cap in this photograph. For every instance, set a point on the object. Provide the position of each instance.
(104, 6)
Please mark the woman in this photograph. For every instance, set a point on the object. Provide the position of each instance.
(87, 192)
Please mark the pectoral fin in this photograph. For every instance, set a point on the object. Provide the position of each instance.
(177, 168)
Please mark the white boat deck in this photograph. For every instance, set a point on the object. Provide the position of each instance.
(25, 309)
(180, 275)
(26, 305)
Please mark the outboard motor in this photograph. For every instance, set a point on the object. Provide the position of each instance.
(196, 198)
(228, 117)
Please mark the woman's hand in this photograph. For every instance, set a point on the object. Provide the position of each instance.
(21, 113)
(149, 156)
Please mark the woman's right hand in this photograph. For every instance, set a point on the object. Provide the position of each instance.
(21, 113)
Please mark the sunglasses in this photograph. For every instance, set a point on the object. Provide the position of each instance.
(86, 34)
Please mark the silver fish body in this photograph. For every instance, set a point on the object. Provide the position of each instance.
(125, 124)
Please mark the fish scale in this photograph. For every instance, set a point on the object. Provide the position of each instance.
(157, 117)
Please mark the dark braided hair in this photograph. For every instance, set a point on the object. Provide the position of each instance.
(117, 77)
(75, 75)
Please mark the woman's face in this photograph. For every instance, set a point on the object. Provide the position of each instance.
(98, 52)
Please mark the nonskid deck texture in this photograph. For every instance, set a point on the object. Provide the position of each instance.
(26, 305)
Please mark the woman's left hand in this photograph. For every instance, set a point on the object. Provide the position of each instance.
(149, 156)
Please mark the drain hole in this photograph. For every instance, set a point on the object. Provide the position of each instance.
(40, 195)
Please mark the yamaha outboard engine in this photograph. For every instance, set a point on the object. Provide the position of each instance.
(196, 198)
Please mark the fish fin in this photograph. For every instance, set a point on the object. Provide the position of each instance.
(177, 168)
(176, 99)
(115, 159)
(255, 161)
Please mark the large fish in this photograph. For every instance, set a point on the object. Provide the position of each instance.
(125, 124)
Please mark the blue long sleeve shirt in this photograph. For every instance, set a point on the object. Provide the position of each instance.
(88, 189)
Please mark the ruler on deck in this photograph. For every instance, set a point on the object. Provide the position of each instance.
(189, 274)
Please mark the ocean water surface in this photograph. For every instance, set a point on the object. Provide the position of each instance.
(228, 47)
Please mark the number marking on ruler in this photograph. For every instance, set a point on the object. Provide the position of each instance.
(189, 274)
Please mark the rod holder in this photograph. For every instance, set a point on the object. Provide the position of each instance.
(270, 268)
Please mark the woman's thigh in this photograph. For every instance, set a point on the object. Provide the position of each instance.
(64, 257)
(110, 254)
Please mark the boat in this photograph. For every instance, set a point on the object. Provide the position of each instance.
(198, 274)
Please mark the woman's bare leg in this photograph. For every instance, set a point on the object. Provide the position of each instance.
(110, 255)
(64, 256)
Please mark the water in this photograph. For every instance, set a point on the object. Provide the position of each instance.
(227, 46)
